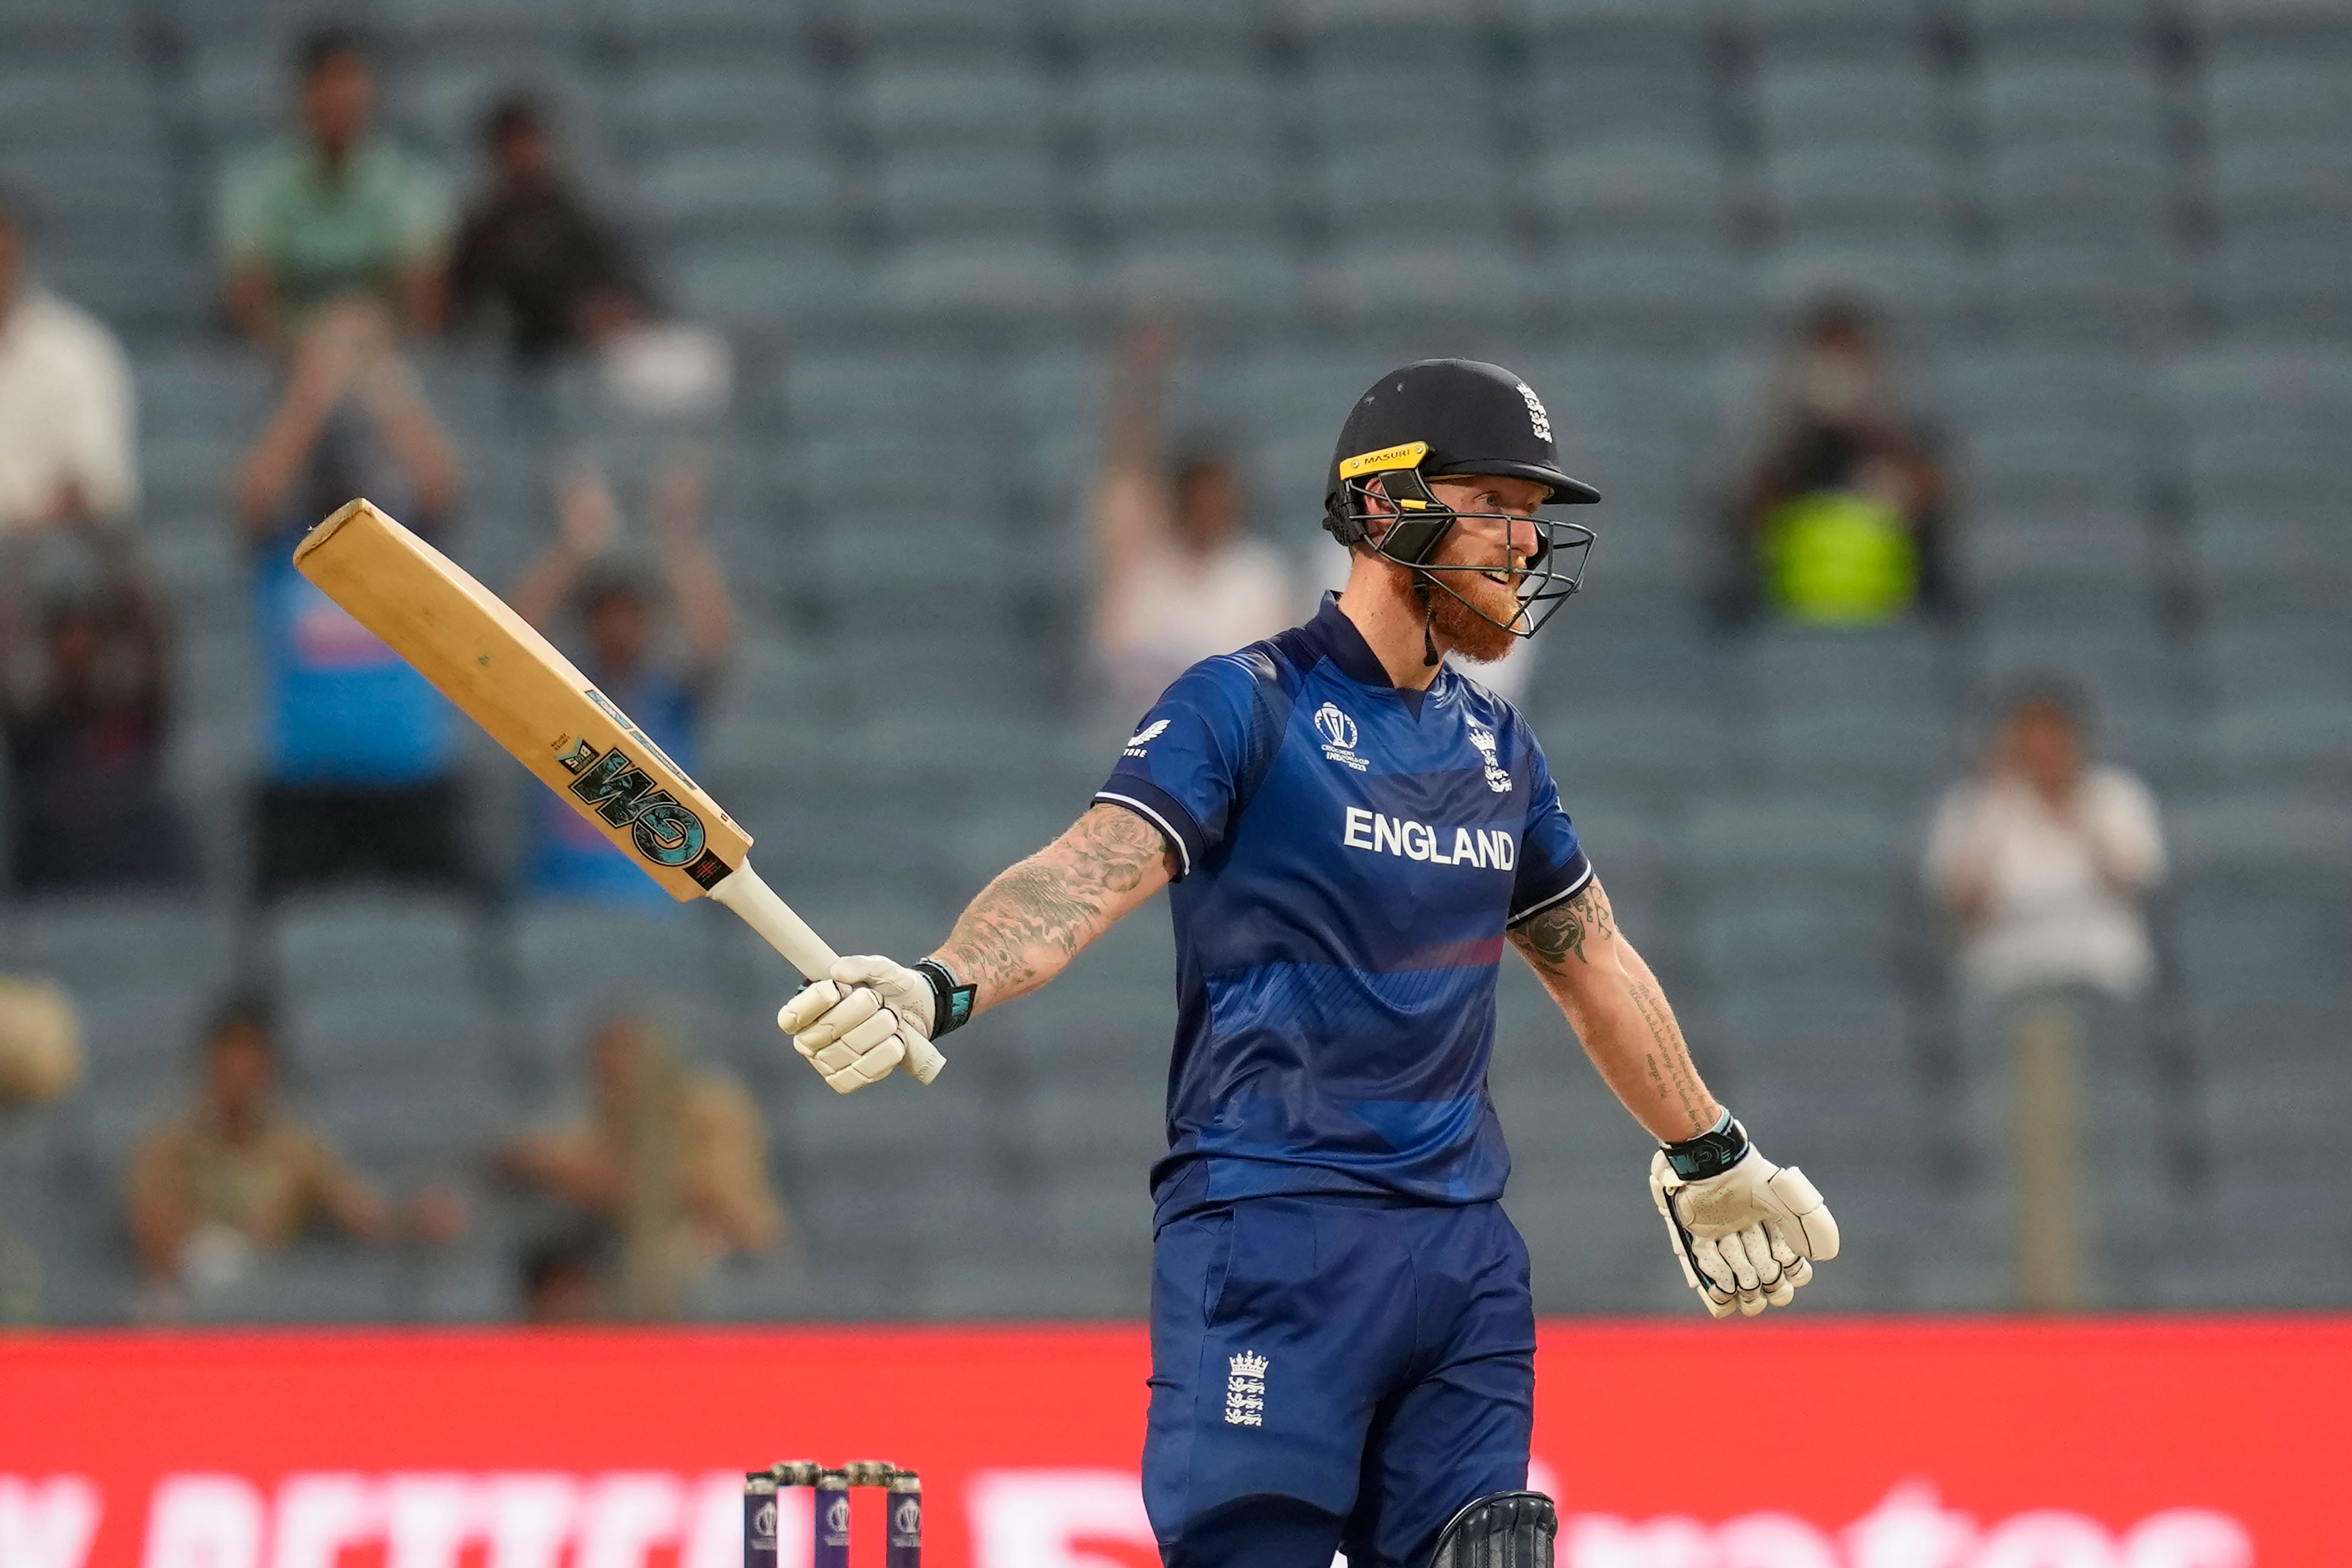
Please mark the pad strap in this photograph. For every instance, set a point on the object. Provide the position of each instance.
(950, 1000)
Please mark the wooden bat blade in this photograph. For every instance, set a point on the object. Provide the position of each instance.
(530, 699)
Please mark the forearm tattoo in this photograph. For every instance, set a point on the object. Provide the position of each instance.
(1550, 937)
(1555, 941)
(1035, 916)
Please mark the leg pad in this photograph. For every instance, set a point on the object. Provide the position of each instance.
(1501, 1530)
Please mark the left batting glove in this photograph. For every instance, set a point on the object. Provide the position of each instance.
(1746, 1231)
(870, 1015)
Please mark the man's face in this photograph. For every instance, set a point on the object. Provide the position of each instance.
(336, 97)
(237, 1070)
(1208, 506)
(525, 155)
(1496, 545)
(2048, 752)
(619, 627)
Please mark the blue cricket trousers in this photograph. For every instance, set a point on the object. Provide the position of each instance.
(1333, 1374)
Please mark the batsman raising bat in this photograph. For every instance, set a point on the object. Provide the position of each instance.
(1343, 1338)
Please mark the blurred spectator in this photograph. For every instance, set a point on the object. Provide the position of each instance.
(40, 1060)
(234, 1176)
(1841, 513)
(65, 403)
(84, 677)
(361, 751)
(2044, 860)
(41, 1043)
(1175, 580)
(672, 1160)
(331, 211)
(532, 251)
(619, 613)
(562, 1280)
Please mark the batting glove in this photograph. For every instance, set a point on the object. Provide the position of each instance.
(1746, 1231)
(870, 1015)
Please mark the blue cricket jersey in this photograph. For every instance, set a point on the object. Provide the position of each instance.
(1351, 854)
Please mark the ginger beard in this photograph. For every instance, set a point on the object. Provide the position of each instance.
(1480, 629)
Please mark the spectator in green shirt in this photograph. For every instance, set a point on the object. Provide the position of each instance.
(332, 211)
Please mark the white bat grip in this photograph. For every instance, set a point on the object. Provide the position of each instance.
(756, 905)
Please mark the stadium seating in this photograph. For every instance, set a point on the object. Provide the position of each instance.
(2108, 234)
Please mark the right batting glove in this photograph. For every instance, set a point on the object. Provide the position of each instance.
(1746, 1231)
(870, 1015)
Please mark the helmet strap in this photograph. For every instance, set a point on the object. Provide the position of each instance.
(1428, 614)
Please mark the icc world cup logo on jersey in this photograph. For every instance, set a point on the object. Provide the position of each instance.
(1338, 733)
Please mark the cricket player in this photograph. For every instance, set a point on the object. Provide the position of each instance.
(1343, 1338)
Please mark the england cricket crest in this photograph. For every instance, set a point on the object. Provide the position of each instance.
(1245, 1390)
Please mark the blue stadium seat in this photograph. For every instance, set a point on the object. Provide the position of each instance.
(81, 942)
(1807, 104)
(1235, 279)
(2292, 738)
(740, 191)
(2066, 186)
(1353, 184)
(1865, 188)
(73, 31)
(1812, 29)
(1146, 32)
(1611, 32)
(2304, 29)
(955, 195)
(1195, 190)
(1629, 188)
(105, 105)
(2252, 562)
(1427, 281)
(712, 29)
(1622, 292)
(1578, 98)
(2044, 28)
(502, 23)
(2061, 565)
(379, 941)
(769, 287)
(1178, 108)
(982, 282)
(1356, 30)
(1755, 838)
(945, 29)
(2115, 287)
(675, 104)
(957, 104)
(2276, 104)
(2033, 101)
(1433, 106)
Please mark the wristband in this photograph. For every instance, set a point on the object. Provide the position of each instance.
(1711, 1153)
(950, 1002)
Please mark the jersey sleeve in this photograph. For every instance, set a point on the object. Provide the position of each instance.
(1189, 764)
(1552, 866)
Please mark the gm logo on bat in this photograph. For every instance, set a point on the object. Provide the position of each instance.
(612, 785)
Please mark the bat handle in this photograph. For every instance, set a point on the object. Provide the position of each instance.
(756, 905)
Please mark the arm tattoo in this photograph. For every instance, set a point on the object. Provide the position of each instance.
(1034, 917)
(1549, 938)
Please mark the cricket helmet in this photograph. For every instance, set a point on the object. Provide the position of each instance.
(1440, 418)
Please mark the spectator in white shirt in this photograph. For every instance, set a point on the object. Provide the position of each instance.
(1176, 581)
(2044, 860)
(65, 403)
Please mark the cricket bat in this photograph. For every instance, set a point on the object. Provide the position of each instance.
(510, 680)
